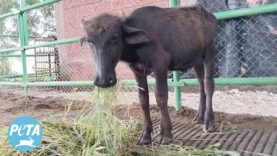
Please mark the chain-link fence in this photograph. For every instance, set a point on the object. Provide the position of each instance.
(245, 46)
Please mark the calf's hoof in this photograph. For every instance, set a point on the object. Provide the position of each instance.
(208, 122)
(165, 140)
(198, 119)
(144, 139)
(208, 129)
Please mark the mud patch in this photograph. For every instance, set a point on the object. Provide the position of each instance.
(186, 115)
(12, 106)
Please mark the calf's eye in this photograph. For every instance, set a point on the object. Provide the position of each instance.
(115, 37)
(89, 41)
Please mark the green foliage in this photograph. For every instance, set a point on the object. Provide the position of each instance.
(6, 7)
(42, 18)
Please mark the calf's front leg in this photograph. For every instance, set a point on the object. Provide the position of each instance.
(161, 92)
(145, 137)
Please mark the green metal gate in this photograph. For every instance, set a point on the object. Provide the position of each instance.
(176, 82)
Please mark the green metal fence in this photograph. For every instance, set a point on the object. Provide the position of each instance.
(175, 82)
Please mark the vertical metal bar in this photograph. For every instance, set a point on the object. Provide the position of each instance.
(177, 91)
(35, 55)
(25, 25)
(23, 38)
(57, 65)
(49, 65)
(173, 3)
(176, 74)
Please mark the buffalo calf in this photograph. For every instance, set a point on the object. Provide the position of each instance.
(156, 40)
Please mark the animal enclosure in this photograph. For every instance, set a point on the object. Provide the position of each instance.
(245, 47)
(246, 55)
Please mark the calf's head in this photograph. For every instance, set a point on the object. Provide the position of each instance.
(107, 36)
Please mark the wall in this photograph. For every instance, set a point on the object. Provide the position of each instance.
(76, 61)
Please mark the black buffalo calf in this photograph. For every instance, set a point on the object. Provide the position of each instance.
(158, 40)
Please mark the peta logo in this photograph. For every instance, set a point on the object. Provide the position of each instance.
(25, 133)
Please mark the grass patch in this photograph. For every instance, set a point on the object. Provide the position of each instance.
(97, 132)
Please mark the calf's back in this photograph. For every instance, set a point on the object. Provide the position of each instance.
(183, 33)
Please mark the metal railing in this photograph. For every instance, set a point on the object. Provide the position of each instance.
(176, 82)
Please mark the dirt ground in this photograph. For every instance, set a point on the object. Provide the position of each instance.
(253, 100)
(13, 105)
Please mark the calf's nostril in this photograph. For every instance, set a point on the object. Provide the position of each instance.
(96, 79)
(111, 80)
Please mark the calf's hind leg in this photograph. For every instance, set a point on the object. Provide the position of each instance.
(199, 71)
(209, 88)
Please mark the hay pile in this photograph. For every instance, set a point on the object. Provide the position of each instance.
(97, 132)
(94, 132)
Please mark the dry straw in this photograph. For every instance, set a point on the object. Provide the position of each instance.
(97, 132)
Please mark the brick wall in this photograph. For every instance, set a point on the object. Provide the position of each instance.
(76, 62)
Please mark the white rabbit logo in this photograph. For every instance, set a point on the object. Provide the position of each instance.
(26, 143)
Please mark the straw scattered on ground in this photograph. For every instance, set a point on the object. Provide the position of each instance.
(96, 131)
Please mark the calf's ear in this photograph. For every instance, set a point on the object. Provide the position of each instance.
(134, 36)
(83, 41)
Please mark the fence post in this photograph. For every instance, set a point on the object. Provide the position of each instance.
(176, 74)
(173, 3)
(23, 38)
(177, 91)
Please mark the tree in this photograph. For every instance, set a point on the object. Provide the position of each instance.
(40, 21)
